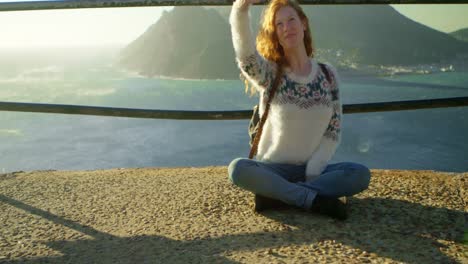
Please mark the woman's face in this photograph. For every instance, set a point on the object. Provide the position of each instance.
(289, 28)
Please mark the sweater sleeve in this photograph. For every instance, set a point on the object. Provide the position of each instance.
(254, 67)
(332, 136)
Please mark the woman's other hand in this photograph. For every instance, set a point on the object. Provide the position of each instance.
(243, 5)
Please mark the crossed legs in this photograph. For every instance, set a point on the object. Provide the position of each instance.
(285, 182)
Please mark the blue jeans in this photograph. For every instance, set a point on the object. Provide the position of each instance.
(286, 182)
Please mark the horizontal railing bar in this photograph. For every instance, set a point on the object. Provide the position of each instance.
(122, 112)
(72, 4)
(405, 105)
(218, 115)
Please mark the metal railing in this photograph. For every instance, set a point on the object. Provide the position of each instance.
(218, 115)
(206, 115)
(72, 4)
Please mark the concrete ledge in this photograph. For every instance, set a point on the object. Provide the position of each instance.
(194, 215)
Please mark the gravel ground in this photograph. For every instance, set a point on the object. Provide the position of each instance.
(194, 215)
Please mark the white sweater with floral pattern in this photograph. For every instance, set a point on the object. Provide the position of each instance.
(303, 125)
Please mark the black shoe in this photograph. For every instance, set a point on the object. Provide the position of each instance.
(264, 203)
(330, 206)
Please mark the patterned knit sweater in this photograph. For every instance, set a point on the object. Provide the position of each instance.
(303, 125)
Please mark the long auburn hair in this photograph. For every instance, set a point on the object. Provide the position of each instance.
(267, 41)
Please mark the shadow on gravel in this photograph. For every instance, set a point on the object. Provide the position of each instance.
(376, 225)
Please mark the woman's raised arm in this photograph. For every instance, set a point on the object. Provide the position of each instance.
(254, 67)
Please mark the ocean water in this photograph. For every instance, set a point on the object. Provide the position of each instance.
(433, 139)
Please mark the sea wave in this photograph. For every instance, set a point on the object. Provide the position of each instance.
(135, 74)
(11, 132)
(100, 92)
(51, 73)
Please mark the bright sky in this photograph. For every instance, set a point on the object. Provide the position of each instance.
(122, 25)
(78, 27)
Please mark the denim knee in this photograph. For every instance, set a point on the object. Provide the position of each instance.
(236, 170)
(363, 174)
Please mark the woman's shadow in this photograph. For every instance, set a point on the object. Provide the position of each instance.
(399, 230)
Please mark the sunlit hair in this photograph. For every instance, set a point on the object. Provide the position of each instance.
(267, 41)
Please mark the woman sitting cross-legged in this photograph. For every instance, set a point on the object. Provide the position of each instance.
(303, 125)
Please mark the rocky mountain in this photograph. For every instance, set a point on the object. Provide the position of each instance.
(461, 34)
(185, 42)
(195, 42)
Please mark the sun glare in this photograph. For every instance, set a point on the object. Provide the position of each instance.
(77, 27)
